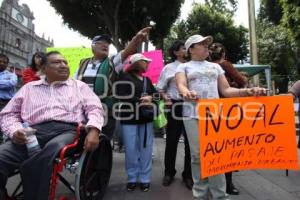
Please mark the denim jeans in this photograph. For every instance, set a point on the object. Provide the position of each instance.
(215, 184)
(138, 155)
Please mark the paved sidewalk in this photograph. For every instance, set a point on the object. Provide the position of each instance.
(253, 184)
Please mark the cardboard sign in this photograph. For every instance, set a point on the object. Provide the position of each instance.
(73, 55)
(155, 66)
(247, 133)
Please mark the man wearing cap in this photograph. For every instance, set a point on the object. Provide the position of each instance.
(8, 82)
(205, 81)
(100, 72)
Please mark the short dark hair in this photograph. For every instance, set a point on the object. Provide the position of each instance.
(4, 56)
(39, 54)
(216, 51)
(175, 47)
(50, 53)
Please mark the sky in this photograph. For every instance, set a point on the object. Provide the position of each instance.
(49, 23)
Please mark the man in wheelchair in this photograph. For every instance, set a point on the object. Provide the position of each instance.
(53, 106)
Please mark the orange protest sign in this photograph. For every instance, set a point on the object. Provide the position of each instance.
(247, 133)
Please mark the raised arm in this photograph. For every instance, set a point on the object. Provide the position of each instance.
(131, 48)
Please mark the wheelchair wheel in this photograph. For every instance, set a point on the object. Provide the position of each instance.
(93, 172)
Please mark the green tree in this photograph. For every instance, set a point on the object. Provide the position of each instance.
(291, 18)
(285, 13)
(276, 49)
(222, 6)
(121, 19)
(206, 21)
(271, 10)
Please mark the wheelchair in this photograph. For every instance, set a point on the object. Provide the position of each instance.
(92, 169)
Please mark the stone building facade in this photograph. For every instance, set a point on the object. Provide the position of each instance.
(17, 37)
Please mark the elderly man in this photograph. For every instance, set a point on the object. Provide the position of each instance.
(53, 106)
(100, 72)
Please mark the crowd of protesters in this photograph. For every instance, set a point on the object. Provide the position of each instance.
(90, 97)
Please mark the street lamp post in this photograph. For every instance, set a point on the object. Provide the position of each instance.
(252, 34)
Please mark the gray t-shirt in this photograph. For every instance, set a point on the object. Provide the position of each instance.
(202, 77)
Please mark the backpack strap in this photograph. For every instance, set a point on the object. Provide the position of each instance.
(144, 85)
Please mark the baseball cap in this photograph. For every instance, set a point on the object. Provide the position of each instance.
(138, 56)
(102, 37)
(196, 39)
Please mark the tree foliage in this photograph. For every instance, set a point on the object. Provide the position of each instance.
(276, 49)
(222, 6)
(205, 21)
(119, 18)
(286, 13)
(271, 10)
(291, 18)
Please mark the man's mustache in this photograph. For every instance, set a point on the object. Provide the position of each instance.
(2, 66)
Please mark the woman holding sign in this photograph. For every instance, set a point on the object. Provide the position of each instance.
(235, 79)
(196, 79)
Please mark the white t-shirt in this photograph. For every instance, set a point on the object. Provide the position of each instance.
(167, 81)
(202, 77)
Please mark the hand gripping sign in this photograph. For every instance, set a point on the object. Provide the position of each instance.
(247, 133)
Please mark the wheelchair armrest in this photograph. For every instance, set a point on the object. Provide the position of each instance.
(80, 128)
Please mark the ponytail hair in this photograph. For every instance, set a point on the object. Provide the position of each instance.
(216, 51)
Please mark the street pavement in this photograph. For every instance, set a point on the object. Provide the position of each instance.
(253, 184)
